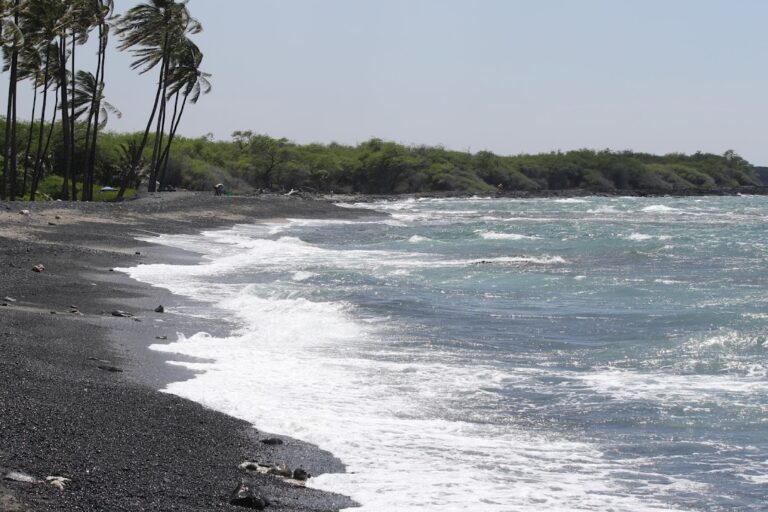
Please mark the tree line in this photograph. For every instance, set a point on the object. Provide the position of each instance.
(40, 42)
(251, 161)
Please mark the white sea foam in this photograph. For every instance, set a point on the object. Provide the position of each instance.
(300, 367)
(671, 389)
(660, 208)
(492, 235)
(535, 260)
(603, 209)
(571, 200)
(640, 237)
(303, 275)
(296, 368)
(417, 239)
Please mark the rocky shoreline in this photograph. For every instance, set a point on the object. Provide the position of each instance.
(84, 427)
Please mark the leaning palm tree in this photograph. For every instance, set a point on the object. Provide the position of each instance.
(12, 43)
(43, 22)
(50, 72)
(188, 82)
(89, 96)
(30, 68)
(101, 12)
(152, 31)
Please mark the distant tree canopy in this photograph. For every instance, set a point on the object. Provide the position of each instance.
(253, 161)
(257, 161)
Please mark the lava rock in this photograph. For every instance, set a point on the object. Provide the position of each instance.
(243, 496)
(160, 309)
(272, 441)
(112, 369)
(38, 268)
(301, 475)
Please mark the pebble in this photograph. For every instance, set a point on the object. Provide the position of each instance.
(17, 476)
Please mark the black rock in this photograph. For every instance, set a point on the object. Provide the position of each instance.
(272, 441)
(113, 369)
(300, 474)
(160, 309)
(243, 496)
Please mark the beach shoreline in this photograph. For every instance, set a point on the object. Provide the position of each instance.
(81, 398)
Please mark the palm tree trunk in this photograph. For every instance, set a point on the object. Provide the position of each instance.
(14, 146)
(65, 116)
(9, 150)
(29, 139)
(160, 127)
(40, 152)
(8, 140)
(137, 158)
(87, 185)
(72, 117)
(91, 165)
(174, 126)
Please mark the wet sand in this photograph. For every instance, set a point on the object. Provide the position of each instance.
(79, 395)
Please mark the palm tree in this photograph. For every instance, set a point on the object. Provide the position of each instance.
(75, 24)
(152, 31)
(12, 42)
(50, 71)
(102, 14)
(189, 82)
(30, 67)
(89, 96)
(41, 21)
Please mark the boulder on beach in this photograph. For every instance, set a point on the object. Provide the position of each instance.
(243, 496)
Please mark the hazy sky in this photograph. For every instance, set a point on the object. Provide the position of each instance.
(510, 76)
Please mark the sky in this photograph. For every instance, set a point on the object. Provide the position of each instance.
(509, 76)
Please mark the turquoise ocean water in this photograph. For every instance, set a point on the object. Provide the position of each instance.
(497, 354)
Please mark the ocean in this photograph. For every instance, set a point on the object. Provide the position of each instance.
(599, 353)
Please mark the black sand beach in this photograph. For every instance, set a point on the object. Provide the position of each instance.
(79, 395)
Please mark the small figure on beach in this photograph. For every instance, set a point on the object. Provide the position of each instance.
(218, 189)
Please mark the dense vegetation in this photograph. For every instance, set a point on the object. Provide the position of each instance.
(40, 40)
(251, 161)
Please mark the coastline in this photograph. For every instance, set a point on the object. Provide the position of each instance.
(554, 194)
(123, 444)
